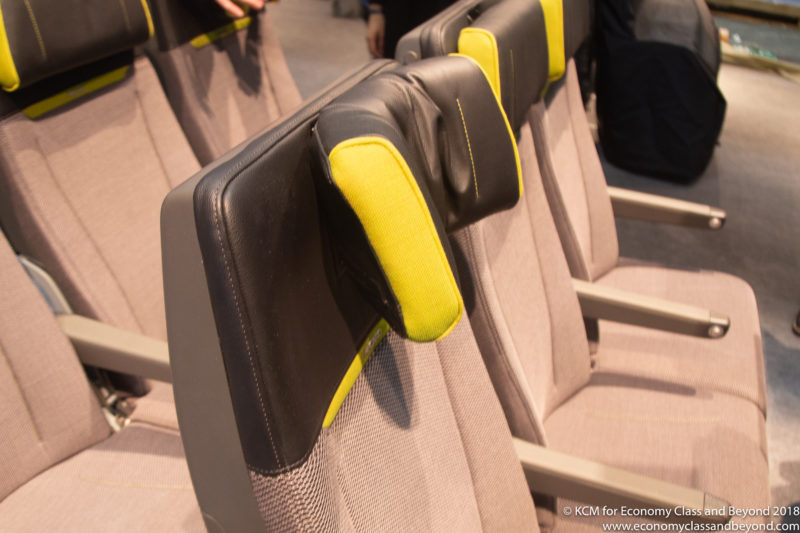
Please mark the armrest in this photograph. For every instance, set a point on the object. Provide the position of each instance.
(608, 303)
(654, 208)
(559, 474)
(105, 346)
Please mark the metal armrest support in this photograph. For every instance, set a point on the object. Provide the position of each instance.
(111, 348)
(608, 303)
(559, 474)
(654, 208)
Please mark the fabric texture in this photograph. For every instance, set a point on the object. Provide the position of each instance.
(47, 410)
(733, 364)
(402, 455)
(521, 302)
(226, 91)
(685, 435)
(157, 407)
(82, 191)
(137, 480)
(574, 180)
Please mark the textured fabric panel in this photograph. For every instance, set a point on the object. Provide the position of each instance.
(47, 410)
(393, 459)
(574, 180)
(84, 188)
(733, 364)
(137, 480)
(226, 91)
(527, 316)
(501, 490)
(157, 407)
(685, 435)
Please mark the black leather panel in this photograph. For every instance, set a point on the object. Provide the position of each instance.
(578, 23)
(442, 117)
(519, 29)
(47, 37)
(179, 21)
(288, 316)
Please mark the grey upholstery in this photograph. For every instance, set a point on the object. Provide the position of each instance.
(226, 90)
(62, 470)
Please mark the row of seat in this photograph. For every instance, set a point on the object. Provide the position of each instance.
(261, 251)
(320, 257)
(103, 117)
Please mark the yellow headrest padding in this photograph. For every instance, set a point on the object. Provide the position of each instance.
(380, 188)
(554, 24)
(214, 35)
(505, 119)
(9, 79)
(77, 91)
(374, 338)
(481, 46)
(149, 17)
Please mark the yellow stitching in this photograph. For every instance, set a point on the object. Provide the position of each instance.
(469, 147)
(660, 419)
(125, 14)
(124, 485)
(36, 29)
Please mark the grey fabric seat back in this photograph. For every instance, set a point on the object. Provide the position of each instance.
(225, 79)
(81, 183)
(515, 279)
(418, 443)
(47, 410)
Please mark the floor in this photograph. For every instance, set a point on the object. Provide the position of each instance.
(754, 176)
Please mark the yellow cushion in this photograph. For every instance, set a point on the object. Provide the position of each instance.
(378, 185)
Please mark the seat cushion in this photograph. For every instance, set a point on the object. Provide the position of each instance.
(157, 407)
(733, 364)
(137, 480)
(693, 437)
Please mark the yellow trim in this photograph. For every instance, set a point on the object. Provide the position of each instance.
(149, 17)
(378, 184)
(554, 26)
(214, 35)
(469, 147)
(372, 341)
(73, 93)
(505, 120)
(9, 78)
(481, 46)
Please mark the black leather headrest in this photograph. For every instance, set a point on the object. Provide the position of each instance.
(408, 155)
(41, 38)
(578, 16)
(509, 41)
(181, 21)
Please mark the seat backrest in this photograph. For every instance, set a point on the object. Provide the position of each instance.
(47, 410)
(226, 79)
(570, 167)
(89, 148)
(574, 179)
(341, 422)
(515, 279)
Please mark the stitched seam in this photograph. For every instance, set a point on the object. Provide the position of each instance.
(481, 296)
(36, 29)
(125, 14)
(125, 485)
(235, 294)
(60, 250)
(22, 395)
(469, 147)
